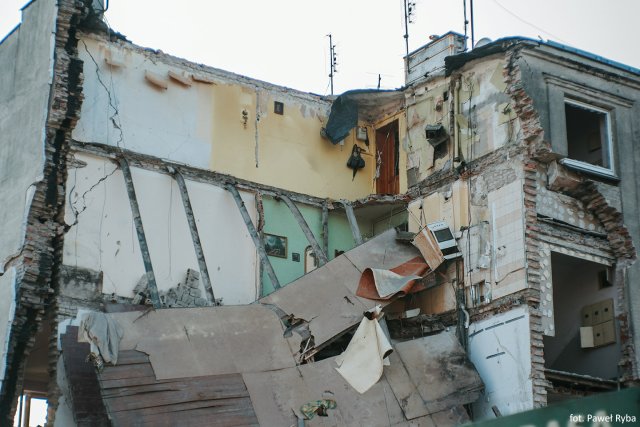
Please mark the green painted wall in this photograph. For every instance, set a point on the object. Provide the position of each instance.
(280, 221)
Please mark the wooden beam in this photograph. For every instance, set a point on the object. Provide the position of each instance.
(197, 245)
(262, 253)
(322, 257)
(142, 240)
(325, 228)
(353, 222)
(158, 165)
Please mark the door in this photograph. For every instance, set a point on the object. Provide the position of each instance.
(387, 157)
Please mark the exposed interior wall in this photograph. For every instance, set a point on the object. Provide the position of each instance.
(226, 124)
(576, 285)
(548, 83)
(473, 107)
(486, 214)
(450, 203)
(26, 66)
(499, 348)
(104, 237)
(280, 221)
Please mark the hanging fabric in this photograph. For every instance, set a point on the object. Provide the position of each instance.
(355, 161)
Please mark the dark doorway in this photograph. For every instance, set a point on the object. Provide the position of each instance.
(587, 338)
(387, 157)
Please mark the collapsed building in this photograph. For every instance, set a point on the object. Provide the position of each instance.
(226, 229)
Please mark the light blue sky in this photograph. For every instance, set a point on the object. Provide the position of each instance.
(284, 41)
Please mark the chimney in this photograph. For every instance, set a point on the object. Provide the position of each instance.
(429, 59)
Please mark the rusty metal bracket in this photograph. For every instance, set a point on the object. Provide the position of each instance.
(262, 253)
(322, 257)
(197, 245)
(353, 222)
(142, 240)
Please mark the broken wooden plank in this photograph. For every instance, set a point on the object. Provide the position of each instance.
(84, 392)
(197, 245)
(262, 253)
(322, 257)
(142, 240)
(428, 246)
(325, 228)
(203, 400)
(353, 222)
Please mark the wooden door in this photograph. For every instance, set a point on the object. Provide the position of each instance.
(387, 156)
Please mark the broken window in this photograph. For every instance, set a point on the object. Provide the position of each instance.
(588, 137)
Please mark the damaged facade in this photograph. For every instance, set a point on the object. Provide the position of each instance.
(134, 180)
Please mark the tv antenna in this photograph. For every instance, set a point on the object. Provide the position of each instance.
(409, 10)
(466, 22)
(333, 60)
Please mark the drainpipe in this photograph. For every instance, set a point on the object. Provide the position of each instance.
(456, 129)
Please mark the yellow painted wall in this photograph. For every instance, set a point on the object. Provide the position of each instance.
(291, 153)
(201, 123)
(452, 207)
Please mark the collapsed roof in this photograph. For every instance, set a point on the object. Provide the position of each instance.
(254, 364)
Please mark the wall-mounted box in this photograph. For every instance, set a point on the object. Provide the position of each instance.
(436, 134)
(445, 239)
(361, 133)
(607, 310)
(598, 325)
(586, 337)
(608, 332)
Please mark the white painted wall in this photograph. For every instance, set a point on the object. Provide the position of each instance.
(183, 112)
(26, 63)
(105, 239)
(500, 349)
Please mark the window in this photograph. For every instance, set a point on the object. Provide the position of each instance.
(589, 142)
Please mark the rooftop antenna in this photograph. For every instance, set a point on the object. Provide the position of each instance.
(333, 60)
(473, 39)
(466, 22)
(409, 9)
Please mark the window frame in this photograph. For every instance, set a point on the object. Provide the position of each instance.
(608, 172)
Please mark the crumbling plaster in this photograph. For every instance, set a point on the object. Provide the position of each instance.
(219, 121)
(476, 113)
(101, 236)
(26, 72)
(38, 260)
(548, 79)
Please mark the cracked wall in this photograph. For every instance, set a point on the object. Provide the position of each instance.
(549, 79)
(217, 121)
(474, 108)
(103, 237)
(26, 61)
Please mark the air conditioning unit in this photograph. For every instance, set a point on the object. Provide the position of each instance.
(436, 134)
(445, 239)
